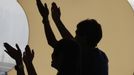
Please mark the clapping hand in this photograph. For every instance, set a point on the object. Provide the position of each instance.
(14, 53)
(43, 9)
(28, 55)
(55, 11)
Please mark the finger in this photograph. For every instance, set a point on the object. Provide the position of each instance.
(27, 49)
(54, 4)
(38, 2)
(45, 5)
(17, 46)
(8, 47)
(40, 7)
(6, 51)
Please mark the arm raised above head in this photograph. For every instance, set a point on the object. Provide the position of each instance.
(28, 56)
(17, 56)
(56, 17)
(44, 12)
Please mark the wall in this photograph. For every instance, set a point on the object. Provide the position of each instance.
(115, 16)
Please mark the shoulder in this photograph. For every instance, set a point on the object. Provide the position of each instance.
(67, 44)
(103, 55)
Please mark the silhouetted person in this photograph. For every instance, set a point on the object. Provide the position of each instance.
(88, 35)
(65, 57)
(17, 56)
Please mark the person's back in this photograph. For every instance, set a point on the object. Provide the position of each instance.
(65, 57)
(94, 62)
(88, 35)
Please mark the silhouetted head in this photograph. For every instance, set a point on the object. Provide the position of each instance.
(65, 56)
(89, 32)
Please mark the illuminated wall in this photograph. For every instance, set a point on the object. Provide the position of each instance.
(115, 16)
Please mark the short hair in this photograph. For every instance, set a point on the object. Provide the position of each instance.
(91, 29)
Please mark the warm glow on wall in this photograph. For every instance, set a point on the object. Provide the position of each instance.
(115, 16)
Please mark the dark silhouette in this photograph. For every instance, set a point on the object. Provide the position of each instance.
(65, 57)
(28, 58)
(48, 31)
(17, 56)
(88, 34)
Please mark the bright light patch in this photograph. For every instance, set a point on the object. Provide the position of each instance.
(13, 29)
(131, 3)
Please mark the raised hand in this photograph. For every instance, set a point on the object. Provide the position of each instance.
(17, 56)
(56, 14)
(14, 53)
(28, 55)
(55, 11)
(43, 9)
(48, 31)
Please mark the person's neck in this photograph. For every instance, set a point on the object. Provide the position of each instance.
(87, 46)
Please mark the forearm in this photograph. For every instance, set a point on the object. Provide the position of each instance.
(19, 68)
(62, 29)
(30, 68)
(49, 33)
